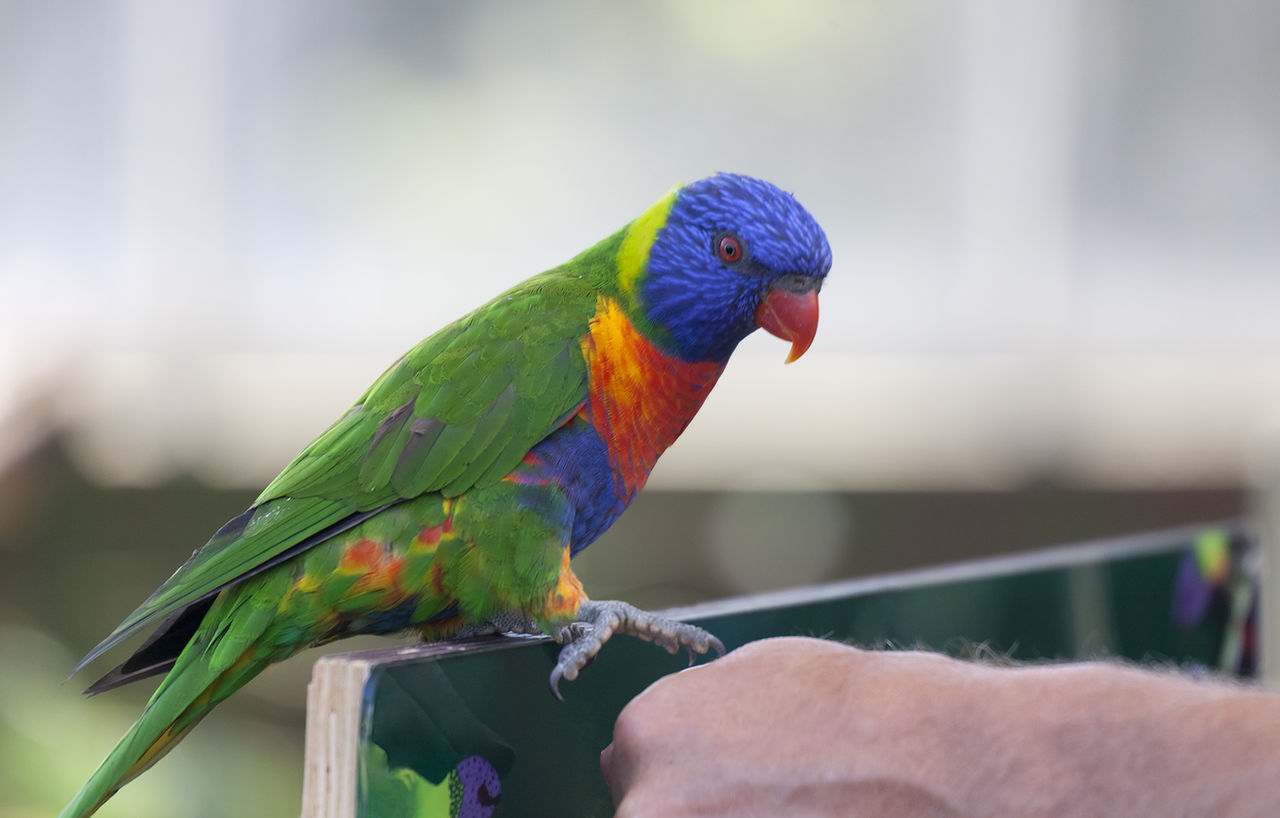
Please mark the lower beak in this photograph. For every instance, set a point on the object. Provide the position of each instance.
(790, 315)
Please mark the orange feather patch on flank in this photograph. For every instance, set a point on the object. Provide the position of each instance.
(380, 567)
(388, 574)
(641, 398)
(429, 537)
(361, 557)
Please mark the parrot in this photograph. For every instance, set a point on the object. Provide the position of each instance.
(450, 498)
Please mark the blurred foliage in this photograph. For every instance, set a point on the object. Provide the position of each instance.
(52, 739)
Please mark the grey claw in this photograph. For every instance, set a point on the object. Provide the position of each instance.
(556, 673)
(597, 621)
(717, 644)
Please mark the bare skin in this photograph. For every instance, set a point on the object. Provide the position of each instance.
(803, 727)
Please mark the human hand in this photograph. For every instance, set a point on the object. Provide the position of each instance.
(798, 726)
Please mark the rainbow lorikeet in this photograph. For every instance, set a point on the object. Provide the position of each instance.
(450, 498)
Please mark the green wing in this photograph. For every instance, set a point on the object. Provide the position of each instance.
(459, 410)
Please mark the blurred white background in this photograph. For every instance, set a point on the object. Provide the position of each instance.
(1056, 226)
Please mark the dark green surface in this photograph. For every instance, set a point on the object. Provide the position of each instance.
(495, 701)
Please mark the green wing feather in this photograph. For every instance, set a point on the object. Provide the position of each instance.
(459, 410)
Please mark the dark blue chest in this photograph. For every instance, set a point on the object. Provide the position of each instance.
(575, 458)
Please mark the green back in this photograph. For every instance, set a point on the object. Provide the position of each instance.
(457, 411)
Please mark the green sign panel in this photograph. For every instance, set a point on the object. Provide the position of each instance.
(471, 729)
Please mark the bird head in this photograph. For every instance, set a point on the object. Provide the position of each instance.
(728, 254)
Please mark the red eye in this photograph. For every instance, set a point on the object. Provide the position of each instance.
(729, 249)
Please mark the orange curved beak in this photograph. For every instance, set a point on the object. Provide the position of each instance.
(790, 315)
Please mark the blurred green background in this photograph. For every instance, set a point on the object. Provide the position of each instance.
(1051, 315)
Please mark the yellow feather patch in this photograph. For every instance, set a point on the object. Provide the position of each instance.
(633, 255)
(563, 601)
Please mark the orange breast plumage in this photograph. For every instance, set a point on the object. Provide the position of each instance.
(641, 398)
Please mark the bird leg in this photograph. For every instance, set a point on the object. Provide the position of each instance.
(599, 619)
(503, 623)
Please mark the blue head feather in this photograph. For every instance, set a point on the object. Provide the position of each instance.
(705, 305)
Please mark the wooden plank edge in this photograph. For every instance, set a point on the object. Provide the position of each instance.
(334, 709)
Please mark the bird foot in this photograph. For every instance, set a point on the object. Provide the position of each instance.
(598, 620)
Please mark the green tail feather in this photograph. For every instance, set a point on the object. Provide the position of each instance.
(185, 697)
(223, 655)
